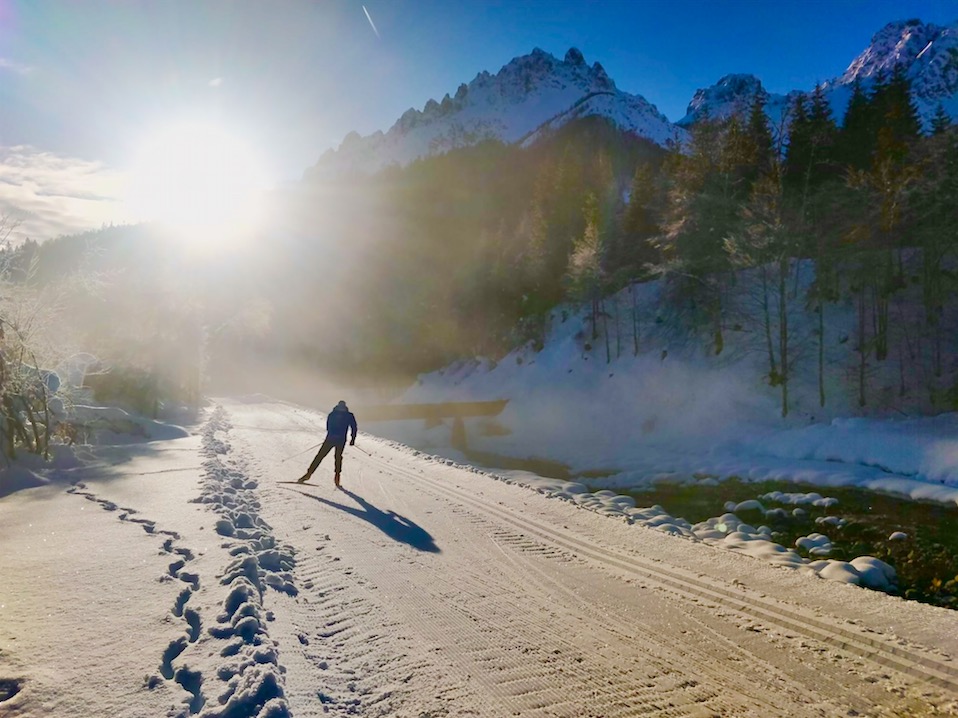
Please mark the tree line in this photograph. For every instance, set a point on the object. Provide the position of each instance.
(750, 227)
(817, 214)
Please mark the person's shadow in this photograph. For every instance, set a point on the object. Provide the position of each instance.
(396, 527)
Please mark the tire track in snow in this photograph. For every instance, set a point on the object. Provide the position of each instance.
(349, 656)
(870, 646)
(515, 652)
(551, 653)
(516, 656)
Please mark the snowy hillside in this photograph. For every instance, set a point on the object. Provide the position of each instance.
(531, 93)
(929, 54)
(673, 408)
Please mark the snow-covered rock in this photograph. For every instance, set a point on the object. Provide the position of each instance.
(530, 96)
(732, 95)
(875, 573)
(841, 571)
(925, 51)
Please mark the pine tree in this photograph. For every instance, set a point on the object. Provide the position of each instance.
(765, 244)
(941, 122)
(901, 112)
(585, 263)
(823, 134)
(799, 145)
(760, 137)
(639, 223)
(857, 139)
(701, 210)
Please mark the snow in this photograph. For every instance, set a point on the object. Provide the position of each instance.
(173, 577)
(668, 415)
(531, 95)
(159, 570)
(924, 50)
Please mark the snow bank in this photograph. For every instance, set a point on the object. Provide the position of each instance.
(112, 425)
(727, 531)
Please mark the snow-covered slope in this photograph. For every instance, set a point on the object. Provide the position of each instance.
(653, 402)
(731, 95)
(928, 53)
(528, 95)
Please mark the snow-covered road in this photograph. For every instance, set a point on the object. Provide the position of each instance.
(421, 589)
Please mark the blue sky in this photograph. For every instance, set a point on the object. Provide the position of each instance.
(87, 79)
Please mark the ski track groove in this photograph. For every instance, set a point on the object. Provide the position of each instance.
(709, 638)
(457, 621)
(518, 676)
(611, 559)
(872, 646)
(540, 689)
(550, 588)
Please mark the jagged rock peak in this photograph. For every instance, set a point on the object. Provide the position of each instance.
(731, 94)
(528, 98)
(574, 57)
(521, 76)
(898, 43)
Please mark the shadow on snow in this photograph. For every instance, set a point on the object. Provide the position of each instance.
(396, 527)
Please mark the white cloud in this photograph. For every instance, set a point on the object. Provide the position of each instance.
(216, 82)
(52, 195)
(14, 66)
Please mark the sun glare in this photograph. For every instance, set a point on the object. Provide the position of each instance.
(201, 180)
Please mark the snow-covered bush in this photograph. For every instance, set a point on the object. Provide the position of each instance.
(26, 389)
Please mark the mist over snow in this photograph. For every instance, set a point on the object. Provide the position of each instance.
(676, 410)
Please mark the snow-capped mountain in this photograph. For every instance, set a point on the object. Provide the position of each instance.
(527, 97)
(731, 95)
(928, 53)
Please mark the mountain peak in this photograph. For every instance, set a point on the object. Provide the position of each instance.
(530, 96)
(898, 43)
(732, 94)
(574, 57)
(927, 53)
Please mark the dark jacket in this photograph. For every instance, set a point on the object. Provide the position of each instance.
(339, 421)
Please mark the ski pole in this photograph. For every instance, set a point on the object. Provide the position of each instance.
(300, 453)
(362, 450)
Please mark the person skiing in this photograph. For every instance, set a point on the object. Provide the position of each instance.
(339, 421)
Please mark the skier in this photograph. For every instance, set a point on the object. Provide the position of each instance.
(338, 422)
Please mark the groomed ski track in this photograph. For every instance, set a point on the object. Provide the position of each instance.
(428, 589)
